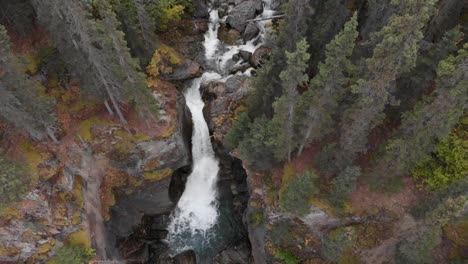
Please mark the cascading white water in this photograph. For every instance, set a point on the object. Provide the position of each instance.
(197, 211)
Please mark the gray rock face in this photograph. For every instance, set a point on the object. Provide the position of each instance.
(187, 70)
(234, 83)
(238, 254)
(250, 32)
(243, 12)
(151, 199)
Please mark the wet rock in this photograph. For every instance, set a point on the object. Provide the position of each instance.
(250, 32)
(239, 68)
(200, 9)
(241, 13)
(223, 9)
(228, 36)
(238, 254)
(276, 4)
(187, 70)
(258, 55)
(187, 257)
(245, 55)
(151, 199)
(199, 26)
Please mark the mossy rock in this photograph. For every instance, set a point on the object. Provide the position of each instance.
(79, 237)
(86, 126)
(157, 175)
(256, 218)
(228, 36)
(44, 248)
(9, 251)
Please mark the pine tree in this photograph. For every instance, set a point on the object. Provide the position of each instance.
(395, 54)
(285, 106)
(87, 35)
(267, 84)
(317, 105)
(432, 119)
(21, 101)
(257, 146)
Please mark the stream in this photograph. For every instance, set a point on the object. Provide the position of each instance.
(200, 222)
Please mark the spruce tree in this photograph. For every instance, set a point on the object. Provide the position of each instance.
(21, 102)
(395, 53)
(285, 106)
(88, 36)
(431, 119)
(319, 103)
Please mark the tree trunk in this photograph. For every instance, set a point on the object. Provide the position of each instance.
(304, 141)
(109, 109)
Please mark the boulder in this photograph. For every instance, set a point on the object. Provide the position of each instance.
(237, 254)
(241, 13)
(199, 26)
(250, 32)
(200, 9)
(256, 58)
(187, 70)
(223, 10)
(245, 55)
(239, 68)
(276, 4)
(235, 83)
(228, 36)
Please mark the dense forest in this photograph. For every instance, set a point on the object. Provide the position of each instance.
(353, 132)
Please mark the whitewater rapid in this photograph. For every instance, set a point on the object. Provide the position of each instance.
(197, 210)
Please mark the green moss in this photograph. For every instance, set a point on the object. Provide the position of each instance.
(80, 238)
(87, 125)
(9, 251)
(256, 218)
(157, 175)
(286, 257)
(44, 248)
(33, 63)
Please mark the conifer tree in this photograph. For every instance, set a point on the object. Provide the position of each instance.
(267, 84)
(285, 106)
(87, 35)
(21, 101)
(432, 119)
(395, 53)
(317, 105)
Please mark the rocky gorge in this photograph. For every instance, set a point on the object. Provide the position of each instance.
(122, 189)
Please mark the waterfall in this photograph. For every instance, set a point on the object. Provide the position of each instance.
(193, 221)
(196, 210)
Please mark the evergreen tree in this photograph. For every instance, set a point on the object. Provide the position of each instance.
(21, 101)
(432, 119)
(395, 53)
(257, 145)
(240, 128)
(267, 84)
(285, 106)
(295, 198)
(87, 36)
(317, 105)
